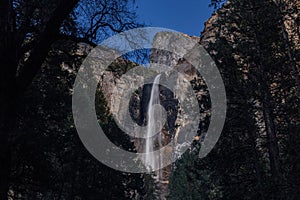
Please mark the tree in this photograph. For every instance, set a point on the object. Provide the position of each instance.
(286, 12)
(251, 158)
(28, 30)
(12, 86)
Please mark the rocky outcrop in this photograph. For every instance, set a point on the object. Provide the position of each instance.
(181, 77)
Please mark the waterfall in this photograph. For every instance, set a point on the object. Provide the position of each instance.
(152, 119)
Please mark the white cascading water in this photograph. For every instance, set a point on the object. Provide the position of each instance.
(152, 116)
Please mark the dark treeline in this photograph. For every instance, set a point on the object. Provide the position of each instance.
(256, 46)
(41, 155)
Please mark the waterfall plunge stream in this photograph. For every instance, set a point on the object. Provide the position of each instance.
(153, 115)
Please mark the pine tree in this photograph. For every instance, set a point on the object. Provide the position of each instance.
(246, 40)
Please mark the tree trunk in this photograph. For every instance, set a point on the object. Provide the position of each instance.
(271, 132)
(10, 86)
(258, 170)
(45, 40)
(267, 107)
(7, 91)
(265, 96)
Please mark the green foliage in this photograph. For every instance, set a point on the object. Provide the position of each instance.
(50, 160)
(251, 54)
(192, 181)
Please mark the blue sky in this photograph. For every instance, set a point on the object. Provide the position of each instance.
(186, 16)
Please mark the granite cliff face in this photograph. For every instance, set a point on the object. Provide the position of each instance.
(223, 19)
(222, 25)
(113, 85)
(224, 37)
(170, 99)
